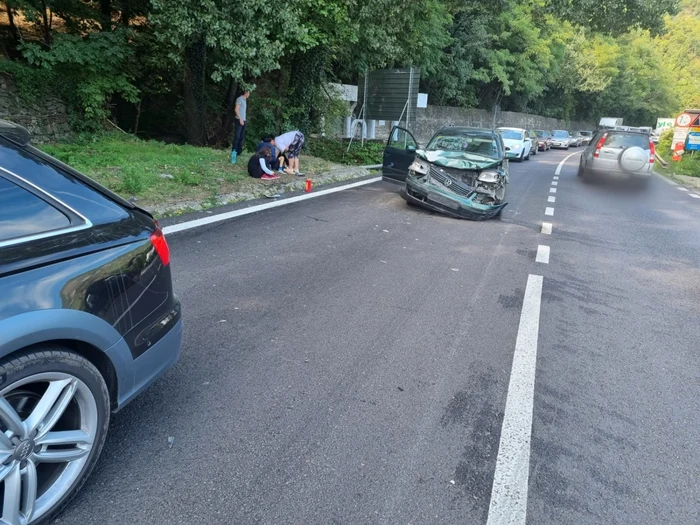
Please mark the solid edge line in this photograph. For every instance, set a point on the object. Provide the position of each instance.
(508, 505)
(672, 183)
(261, 207)
(542, 254)
(694, 195)
(561, 164)
(547, 228)
(682, 188)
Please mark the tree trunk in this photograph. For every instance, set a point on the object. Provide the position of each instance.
(11, 19)
(47, 20)
(106, 15)
(138, 117)
(227, 114)
(195, 74)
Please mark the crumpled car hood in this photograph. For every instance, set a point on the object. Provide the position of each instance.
(456, 159)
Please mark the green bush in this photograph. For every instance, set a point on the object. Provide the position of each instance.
(665, 142)
(337, 151)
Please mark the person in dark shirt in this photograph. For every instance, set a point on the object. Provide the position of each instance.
(259, 165)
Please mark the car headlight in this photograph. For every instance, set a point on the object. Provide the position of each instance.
(516, 146)
(419, 167)
(489, 176)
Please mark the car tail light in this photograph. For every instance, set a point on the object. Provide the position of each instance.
(161, 245)
(652, 152)
(601, 142)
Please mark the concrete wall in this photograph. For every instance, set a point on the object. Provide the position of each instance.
(432, 118)
(46, 119)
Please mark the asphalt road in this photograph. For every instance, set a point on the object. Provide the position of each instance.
(347, 361)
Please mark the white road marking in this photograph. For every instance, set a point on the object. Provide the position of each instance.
(682, 188)
(547, 228)
(542, 254)
(549, 211)
(508, 504)
(552, 190)
(556, 178)
(694, 195)
(551, 198)
(555, 183)
(260, 207)
(561, 164)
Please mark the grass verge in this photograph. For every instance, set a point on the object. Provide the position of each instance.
(157, 173)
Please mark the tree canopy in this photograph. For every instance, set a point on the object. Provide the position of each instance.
(176, 66)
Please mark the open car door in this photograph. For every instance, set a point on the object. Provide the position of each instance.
(399, 154)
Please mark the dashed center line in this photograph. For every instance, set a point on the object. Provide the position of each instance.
(549, 211)
(547, 228)
(542, 254)
(555, 183)
(552, 190)
(508, 504)
(556, 178)
(551, 199)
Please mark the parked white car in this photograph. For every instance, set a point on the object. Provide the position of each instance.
(517, 142)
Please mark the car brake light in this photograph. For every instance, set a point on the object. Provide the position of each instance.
(652, 152)
(161, 245)
(601, 142)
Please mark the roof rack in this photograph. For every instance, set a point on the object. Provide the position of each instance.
(14, 132)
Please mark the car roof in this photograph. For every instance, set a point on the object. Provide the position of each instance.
(514, 129)
(14, 132)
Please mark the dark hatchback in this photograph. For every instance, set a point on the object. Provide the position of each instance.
(88, 320)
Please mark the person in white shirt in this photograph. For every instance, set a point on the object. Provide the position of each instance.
(291, 144)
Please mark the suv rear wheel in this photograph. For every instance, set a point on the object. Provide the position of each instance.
(54, 414)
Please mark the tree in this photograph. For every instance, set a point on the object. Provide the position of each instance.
(238, 37)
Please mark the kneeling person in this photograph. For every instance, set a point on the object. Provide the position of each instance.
(291, 144)
(259, 165)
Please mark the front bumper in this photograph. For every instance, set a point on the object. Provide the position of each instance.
(432, 197)
(561, 144)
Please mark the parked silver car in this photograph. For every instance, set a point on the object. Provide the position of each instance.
(561, 139)
(618, 155)
(586, 137)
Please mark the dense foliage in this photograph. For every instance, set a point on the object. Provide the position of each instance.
(173, 68)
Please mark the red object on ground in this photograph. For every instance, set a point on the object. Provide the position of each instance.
(308, 185)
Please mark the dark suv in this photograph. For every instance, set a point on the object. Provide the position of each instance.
(88, 320)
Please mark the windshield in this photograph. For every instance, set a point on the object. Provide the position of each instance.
(560, 134)
(586, 133)
(472, 144)
(541, 133)
(627, 140)
(511, 134)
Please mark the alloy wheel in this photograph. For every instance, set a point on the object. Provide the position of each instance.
(48, 425)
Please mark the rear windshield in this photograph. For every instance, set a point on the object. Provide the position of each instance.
(560, 134)
(511, 134)
(627, 140)
(585, 133)
(540, 133)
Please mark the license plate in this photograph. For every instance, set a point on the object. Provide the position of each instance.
(440, 199)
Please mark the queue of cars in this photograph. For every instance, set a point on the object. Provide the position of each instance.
(521, 143)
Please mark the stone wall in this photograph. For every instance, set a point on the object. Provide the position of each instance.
(432, 118)
(46, 119)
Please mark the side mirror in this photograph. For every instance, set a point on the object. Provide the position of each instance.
(507, 148)
(411, 148)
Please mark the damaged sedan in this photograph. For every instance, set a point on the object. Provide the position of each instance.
(462, 173)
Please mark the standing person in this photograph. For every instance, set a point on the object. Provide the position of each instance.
(291, 143)
(259, 165)
(240, 110)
